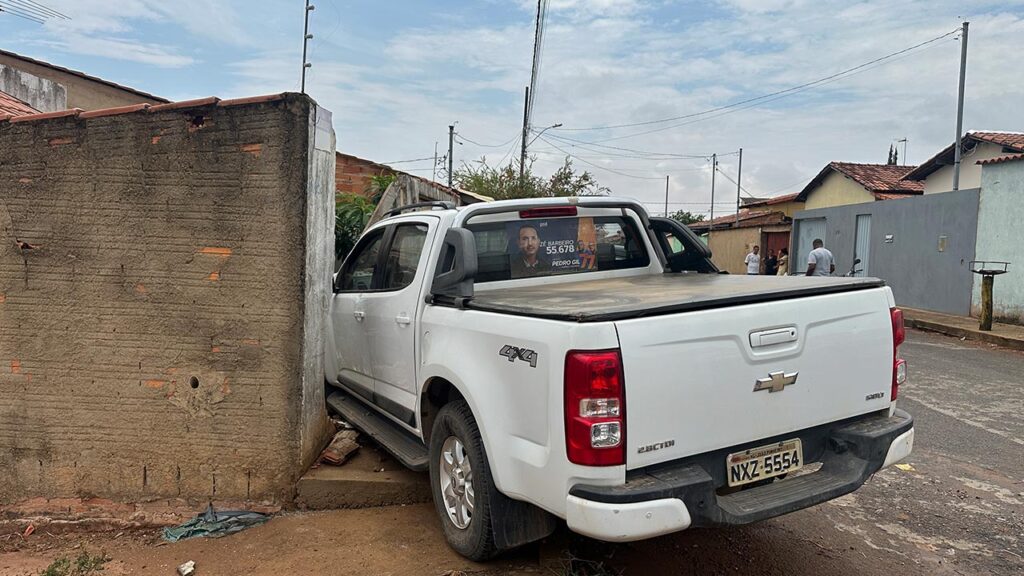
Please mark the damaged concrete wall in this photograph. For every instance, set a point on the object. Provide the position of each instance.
(156, 268)
(42, 94)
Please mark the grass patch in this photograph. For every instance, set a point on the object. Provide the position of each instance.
(83, 565)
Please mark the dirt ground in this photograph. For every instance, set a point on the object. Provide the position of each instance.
(955, 507)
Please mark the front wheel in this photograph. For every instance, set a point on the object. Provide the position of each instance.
(460, 481)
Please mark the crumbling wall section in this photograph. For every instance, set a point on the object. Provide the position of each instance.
(152, 301)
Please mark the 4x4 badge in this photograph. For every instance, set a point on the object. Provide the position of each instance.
(775, 382)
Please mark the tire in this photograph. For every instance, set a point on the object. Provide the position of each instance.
(469, 532)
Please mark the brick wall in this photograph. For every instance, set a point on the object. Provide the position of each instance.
(352, 174)
(158, 270)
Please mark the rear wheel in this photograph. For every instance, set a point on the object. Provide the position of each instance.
(460, 481)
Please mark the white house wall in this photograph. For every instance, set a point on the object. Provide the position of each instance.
(1000, 214)
(970, 172)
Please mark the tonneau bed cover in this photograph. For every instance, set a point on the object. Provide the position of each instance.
(649, 295)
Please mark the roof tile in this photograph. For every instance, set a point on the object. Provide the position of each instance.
(112, 111)
(9, 105)
(47, 115)
(880, 177)
(210, 101)
(1001, 159)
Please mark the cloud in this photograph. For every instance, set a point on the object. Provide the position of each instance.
(122, 49)
(616, 62)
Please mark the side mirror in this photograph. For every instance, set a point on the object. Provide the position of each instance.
(457, 266)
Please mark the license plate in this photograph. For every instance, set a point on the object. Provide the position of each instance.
(764, 462)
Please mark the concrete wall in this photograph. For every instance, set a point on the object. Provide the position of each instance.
(162, 286)
(837, 190)
(730, 247)
(970, 172)
(42, 94)
(82, 92)
(927, 260)
(1000, 213)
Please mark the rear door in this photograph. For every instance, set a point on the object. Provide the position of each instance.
(703, 380)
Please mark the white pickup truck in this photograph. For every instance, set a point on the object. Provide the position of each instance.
(577, 359)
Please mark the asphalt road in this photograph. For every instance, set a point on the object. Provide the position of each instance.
(955, 506)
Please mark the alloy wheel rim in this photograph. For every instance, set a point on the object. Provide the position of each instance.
(456, 476)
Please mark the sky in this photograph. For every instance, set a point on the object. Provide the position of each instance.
(397, 73)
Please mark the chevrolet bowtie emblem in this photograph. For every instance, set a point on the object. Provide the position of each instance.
(775, 382)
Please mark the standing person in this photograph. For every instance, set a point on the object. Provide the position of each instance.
(783, 262)
(771, 264)
(753, 262)
(820, 261)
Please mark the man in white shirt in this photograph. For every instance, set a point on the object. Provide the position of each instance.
(753, 262)
(820, 261)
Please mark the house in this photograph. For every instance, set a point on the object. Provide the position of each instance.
(936, 173)
(788, 204)
(841, 183)
(50, 88)
(730, 238)
(923, 244)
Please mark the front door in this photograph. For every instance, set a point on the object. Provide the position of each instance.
(356, 279)
(391, 318)
(862, 245)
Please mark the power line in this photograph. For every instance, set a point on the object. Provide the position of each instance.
(727, 177)
(21, 14)
(581, 143)
(502, 145)
(47, 9)
(773, 95)
(407, 161)
(598, 166)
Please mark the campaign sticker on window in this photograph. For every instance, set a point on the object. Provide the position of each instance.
(556, 246)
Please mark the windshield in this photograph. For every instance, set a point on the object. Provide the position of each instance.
(527, 248)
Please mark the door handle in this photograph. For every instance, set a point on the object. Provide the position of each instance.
(403, 319)
(359, 315)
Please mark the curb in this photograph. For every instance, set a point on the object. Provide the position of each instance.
(1006, 342)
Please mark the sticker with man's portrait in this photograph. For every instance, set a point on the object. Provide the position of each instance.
(547, 247)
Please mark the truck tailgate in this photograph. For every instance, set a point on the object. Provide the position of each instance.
(702, 380)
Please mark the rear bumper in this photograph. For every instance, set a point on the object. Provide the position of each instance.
(681, 494)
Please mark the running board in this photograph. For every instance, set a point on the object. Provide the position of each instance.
(405, 447)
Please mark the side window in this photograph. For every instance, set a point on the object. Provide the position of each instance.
(404, 256)
(359, 274)
(672, 244)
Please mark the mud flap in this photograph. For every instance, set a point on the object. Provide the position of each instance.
(516, 523)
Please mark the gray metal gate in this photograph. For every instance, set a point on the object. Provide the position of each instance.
(862, 244)
(807, 231)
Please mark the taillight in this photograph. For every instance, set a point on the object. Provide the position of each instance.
(899, 365)
(595, 408)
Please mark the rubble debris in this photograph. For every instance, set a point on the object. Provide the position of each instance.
(214, 524)
(187, 569)
(341, 447)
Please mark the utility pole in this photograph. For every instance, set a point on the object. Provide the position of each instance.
(904, 141)
(451, 144)
(433, 172)
(526, 131)
(666, 196)
(739, 178)
(960, 106)
(306, 37)
(714, 168)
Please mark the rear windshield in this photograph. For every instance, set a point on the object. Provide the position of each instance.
(553, 246)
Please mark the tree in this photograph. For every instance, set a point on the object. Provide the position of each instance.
(503, 183)
(687, 217)
(351, 214)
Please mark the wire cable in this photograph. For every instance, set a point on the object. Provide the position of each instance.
(783, 92)
(598, 166)
(502, 145)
